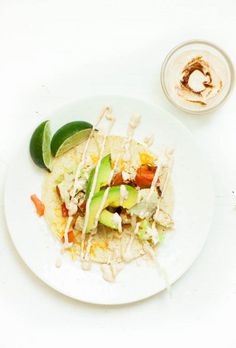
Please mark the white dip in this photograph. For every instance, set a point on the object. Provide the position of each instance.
(197, 79)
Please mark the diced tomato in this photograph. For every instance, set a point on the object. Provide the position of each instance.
(64, 210)
(118, 180)
(71, 237)
(145, 175)
(38, 205)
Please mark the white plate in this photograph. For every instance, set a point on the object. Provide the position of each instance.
(139, 280)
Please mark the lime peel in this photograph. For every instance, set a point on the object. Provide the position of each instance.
(69, 136)
(73, 141)
(40, 149)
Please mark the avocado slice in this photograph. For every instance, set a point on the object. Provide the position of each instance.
(113, 200)
(107, 218)
(103, 177)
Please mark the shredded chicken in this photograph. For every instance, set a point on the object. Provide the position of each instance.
(126, 218)
(79, 223)
(163, 218)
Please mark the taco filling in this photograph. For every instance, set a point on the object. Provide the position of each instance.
(109, 200)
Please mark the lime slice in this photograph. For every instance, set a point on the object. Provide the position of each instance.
(40, 149)
(69, 136)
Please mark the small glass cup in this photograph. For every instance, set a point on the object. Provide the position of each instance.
(193, 48)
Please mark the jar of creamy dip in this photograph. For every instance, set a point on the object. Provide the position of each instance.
(197, 76)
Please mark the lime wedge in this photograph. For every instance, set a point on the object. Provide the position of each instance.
(40, 149)
(69, 136)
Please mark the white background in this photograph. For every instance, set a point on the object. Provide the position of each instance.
(53, 52)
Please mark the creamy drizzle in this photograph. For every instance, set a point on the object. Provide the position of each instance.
(123, 194)
(96, 174)
(66, 242)
(118, 221)
(149, 140)
(125, 175)
(106, 110)
(147, 248)
(107, 273)
(133, 124)
(154, 181)
(111, 120)
(126, 253)
(170, 154)
(86, 265)
(149, 251)
(110, 271)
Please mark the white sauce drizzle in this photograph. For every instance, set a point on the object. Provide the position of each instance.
(107, 273)
(133, 124)
(147, 248)
(125, 175)
(154, 181)
(106, 110)
(66, 242)
(123, 194)
(149, 251)
(149, 140)
(170, 154)
(126, 255)
(117, 221)
(86, 265)
(86, 258)
(112, 121)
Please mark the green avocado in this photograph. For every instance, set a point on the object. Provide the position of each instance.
(103, 177)
(113, 200)
(106, 218)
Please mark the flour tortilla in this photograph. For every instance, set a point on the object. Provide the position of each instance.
(106, 243)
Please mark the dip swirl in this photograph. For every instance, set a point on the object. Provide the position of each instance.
(199, 81)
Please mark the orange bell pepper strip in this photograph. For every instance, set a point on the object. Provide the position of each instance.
(71, 237)
(38, 205)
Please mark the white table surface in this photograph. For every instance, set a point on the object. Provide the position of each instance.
(56, 51)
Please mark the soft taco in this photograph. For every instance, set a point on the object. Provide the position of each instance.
(116, 207)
